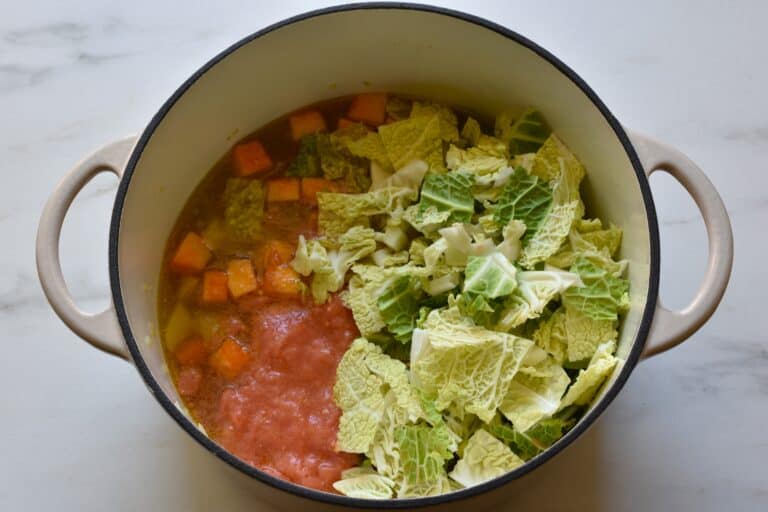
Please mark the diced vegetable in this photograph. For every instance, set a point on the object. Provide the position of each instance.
(311, 186)
(276, 253)
(192, 255)
(240, 277)
(283, 281)
(215, 289)
(369, 108)
(283, 189)
(307, 161)
(191, 351)
(306, 123)
(180, 326)
(344, 123)
(230, 359)
(250, 158)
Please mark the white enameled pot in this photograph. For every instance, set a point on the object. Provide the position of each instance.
(404, 48)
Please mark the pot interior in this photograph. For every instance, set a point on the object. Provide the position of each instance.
(388, 49)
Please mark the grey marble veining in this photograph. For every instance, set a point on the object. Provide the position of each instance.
(80, 432)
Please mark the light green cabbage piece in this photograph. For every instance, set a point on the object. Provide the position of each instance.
(464, 364)
(364, 483)
(365, 286)
(534, 394)
(570, 335)
(524, 198)
(550, 235)
(471, 132)
(588, 239)
(485, 458)
(362, 143)
(603, 295)
(337, 212)
(510, 246)
(338, 163)
(525, 133)
(360, 396)
(428, 220)
(448, 122)
(399, 306)
(329, 268)
(490, 276)
(450, 192)
(416, 138)
(410, 176)
(588, 382)
(535, 288)
(423, 452)
(417, 248)
(386, 258)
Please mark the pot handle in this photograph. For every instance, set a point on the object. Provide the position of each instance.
(101, 329)
(669, 327)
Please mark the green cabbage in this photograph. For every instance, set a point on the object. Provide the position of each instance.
(485, 458)
(450, 193)
(589, 381)
(416, 138)
(524, 134)
(603, 295)
(491, 276)
(524, 198)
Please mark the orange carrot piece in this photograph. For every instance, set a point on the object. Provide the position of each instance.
(192, 255)
(306, 123)
(283, 281)
(345, 123)
(276, 253)
(230, 359)
(311, 186)
(250, 158)
(282, 189)
(191, 351)
(370, 108)
(215, 289)
(241, 279)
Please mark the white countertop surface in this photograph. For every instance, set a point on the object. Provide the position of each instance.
(78, 429)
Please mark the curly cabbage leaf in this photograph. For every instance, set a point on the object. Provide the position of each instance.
(534, 394)
(423, 453)
(589, 381)
(364, 483)
(244, 207)
(525, 133)
(535, 288)
(337, 212)
(485, 458)
(602, 297)
(450, 193)
(448, 122)
(466, 365)
(524, 198)
(399, 306)
(471, 132)
(550, 235)
(491, 276)
(416, 138)
(307, 161)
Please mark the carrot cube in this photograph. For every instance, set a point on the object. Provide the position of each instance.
(283, 281)
(230, 359)
(215, 289)
(283, 189)
(191, 351)
(276, 253)
(241, 279)
(192, 255)
(250, 158)
(369, 108)
(345, 123)
(306, 123)
(311, 186)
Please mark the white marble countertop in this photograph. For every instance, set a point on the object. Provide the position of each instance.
(78, 429)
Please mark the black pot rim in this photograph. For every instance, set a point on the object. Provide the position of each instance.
(406, 503)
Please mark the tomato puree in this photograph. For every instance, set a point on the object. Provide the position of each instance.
(278, 414)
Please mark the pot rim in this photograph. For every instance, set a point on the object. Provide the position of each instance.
(405, 503)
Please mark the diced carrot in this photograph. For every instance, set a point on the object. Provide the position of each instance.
(311, 186)
(240, 277)
(282, 189)
(251, 158)
(345, 123)
(230, 359)
(276, 253)
(192, 255)
(282, 281)
(370, 108)
(306, 123)
(191, 351)
(215, 289)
